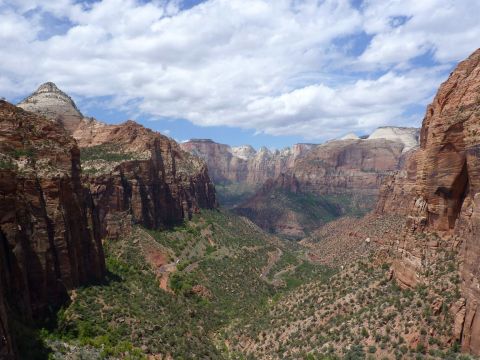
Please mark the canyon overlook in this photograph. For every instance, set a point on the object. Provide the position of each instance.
(340, 177)
(75, 191)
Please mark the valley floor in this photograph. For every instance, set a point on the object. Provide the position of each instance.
(219, 287)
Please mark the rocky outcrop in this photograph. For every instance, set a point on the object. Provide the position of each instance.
(243, 164)
(397, 191)
(134, 174)
(409, 137)
(51, 102)
(307, 185)
(223, 166)
(49, 228)
(444, 196)
(348, 166)
(145, 176)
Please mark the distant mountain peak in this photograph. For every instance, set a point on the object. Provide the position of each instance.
(49, 101)
(48, 87)
(350, 136)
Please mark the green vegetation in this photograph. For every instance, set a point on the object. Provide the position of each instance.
(230, 195)
(356, 314)
(239, 293)
(130, 316)
(6, 164)
(309, 210)
(105, 152)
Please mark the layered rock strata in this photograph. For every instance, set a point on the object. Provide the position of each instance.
(244, 164)
(440, 187)
(344, 166)
(49, 101)
(49, 227)
(134, 174)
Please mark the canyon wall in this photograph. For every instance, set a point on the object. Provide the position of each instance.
(338, 166)
(243, 164)
(60, 196)
(343, 166)
(440, 187)
(143, 175)
(134, 174)
(49, 228)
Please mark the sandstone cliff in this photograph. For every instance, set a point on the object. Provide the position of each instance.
(134, 174)
(336, 166)
(243, 164)
(49, 228)
(342, 166)
(443, 199)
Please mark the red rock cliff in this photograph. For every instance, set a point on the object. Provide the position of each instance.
(134, 174)
(140, 174)
(444, 194)
(49, 229)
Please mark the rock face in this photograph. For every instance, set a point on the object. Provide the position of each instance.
(143, 175)
(53, 103)
(335, 166)
(444, 196)
(407, 136)
(348, 166)
(7, 348)
(134, 174)
(243, 164)
(49, 228)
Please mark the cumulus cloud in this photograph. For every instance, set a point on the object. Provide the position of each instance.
(311, 68)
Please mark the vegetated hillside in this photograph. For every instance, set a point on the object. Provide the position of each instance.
(358, 313)
(171, 293)
(281, 207)
(231, 195)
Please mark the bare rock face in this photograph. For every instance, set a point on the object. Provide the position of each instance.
(7, 348)
(353, 164)
(53, 103)
(223, 166)
(244, 152)
(49, 228)
(243, 164)
(397, 190)
(407, 136)
(135, 172)
(444, 196)
(344, 166)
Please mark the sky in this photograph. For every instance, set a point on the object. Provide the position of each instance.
(259, 72)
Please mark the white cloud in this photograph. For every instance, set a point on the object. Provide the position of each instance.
(274, 66)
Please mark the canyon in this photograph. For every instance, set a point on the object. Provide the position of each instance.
(273, 188)
(63, 194)
(120, 227)
(243, 164)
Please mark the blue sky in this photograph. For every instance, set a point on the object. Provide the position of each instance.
(261, 72)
